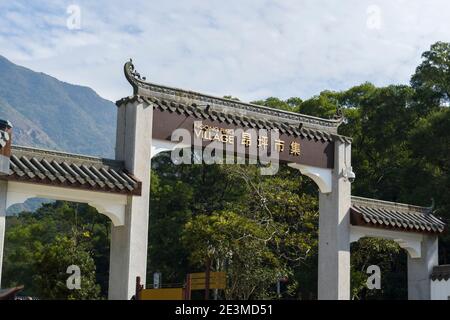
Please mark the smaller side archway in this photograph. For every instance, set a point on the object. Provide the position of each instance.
(414, 228)
(11, 192)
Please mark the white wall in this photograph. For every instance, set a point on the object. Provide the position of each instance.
(440, 290)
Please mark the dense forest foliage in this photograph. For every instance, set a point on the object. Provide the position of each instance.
(262, 228)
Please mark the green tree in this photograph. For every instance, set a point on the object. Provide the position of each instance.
(237, 245)
(379, 120)
(291, 104)
(431, 81)
(430, 142)
(323, 105)
(30, 236)
(391, 259)
(50, 271)
(178, 193)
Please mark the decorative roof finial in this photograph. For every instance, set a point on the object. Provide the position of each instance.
(134, 72)
(339, 115)
(133, 77)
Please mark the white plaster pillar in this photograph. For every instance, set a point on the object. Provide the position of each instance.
(334, 231)
(128, 257)
(3, 192)
(420, 269)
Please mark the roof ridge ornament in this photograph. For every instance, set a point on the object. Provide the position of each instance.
(339, 114)
(132, 75)
(134, 72)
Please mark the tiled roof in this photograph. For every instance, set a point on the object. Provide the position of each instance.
(70, 170)
(203, 106)
(441, 272)
(392, 215)
(208, 113)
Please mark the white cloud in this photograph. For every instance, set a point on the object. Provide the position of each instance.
(250, 49)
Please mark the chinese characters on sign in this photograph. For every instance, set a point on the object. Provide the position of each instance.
(294, 148)
(210, 133)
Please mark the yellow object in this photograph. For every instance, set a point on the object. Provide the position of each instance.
(217, 280)
(162, 294)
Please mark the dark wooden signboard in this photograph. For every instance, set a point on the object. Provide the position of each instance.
(312, 152)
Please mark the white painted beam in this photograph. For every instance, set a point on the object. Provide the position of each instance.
(110, 204)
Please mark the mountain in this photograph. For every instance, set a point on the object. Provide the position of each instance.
(49, 113)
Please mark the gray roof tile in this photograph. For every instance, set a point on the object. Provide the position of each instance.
(441, 272)
(70, 170)
(391, 215)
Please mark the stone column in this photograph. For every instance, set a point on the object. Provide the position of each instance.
(3, 191)
(128, 257)
(5, 153)
(419, 269)
(334, 231)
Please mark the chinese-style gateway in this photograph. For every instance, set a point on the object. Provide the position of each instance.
(119, 187)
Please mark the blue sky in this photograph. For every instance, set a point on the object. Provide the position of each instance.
(249, 49)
